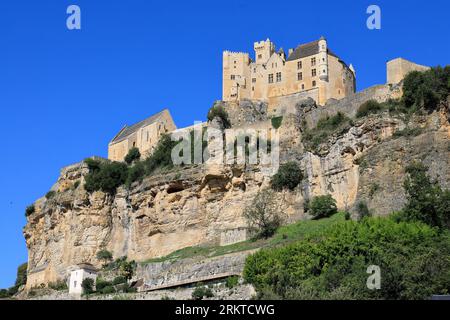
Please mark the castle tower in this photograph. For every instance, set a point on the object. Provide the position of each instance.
(236, 74)
(263, 51)
(323, 59)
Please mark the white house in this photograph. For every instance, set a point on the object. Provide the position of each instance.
(79, 273)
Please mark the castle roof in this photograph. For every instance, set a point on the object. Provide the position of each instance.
(306, 50)
(128, 130)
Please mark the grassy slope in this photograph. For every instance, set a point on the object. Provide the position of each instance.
(283, 236)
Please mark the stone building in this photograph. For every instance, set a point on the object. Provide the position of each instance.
(78, 274)
(311, 68)
(398, 68)
(143, 135)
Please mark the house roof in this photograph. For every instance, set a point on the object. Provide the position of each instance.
(128, 130)
(87, 266)
(306, 50)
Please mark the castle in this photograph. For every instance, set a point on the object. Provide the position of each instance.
(311, 68)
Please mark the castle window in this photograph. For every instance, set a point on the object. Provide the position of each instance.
(313, 72)
(254, 69)
(253, 88)
(314, 83)
(233, 77)
(278, 76)
(271, 78)
(303, 87)
(253, 80)
(324, 71)
(259, 56)
(313, 61)
(299, 76)
(299, 65)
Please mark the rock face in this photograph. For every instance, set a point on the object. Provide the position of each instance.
(203, 204)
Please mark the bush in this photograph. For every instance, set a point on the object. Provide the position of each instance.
(161, 156)
(322, 206)
(362, 210)
(119, 280)
(107, 177)
(127, 269)
(21, 278)
(369, 107)
(276, 122)
(426, 201)
(29, 210)
(108, 290)
(135, 173)
(104, 255)
(50, 194)
(219, 111)
(263, 217)
(87, 285)
(201, 292)
(132, 155)
(288, 176)
(333, 265)
(426, 89)
(58, 285)
(76, 184)
(408, 132)
(232, 282)
(100, 284)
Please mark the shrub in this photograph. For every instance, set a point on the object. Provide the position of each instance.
(161, 156)
(426, 89)
(104, 255)
(132, 155)
(135, 173)
(50, 194)
(127, 269)
(408, 132)
(218, 110)
(232, 282)
(362, 210)
(87, 285)
(93, 165)
(21, 278)
(201, 292)
(426, 201)
(288, 176)
(276, 122)
(108, 290)
(333, 265)
(332, 122)
(322, 206)
(107, 177)
(263, 217)
(100, 284)
(119, 280)
(76, 184)
(369, 107)
(29, 210)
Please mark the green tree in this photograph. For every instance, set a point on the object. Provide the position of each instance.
(133, 155)
(107, 177)
(105, 256)
(263, 216)
(87, 285)
(288, 176)
(322, 206)
(218, 110)
(21, 278)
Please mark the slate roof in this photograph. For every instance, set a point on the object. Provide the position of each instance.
(306, 50)
(128, 130)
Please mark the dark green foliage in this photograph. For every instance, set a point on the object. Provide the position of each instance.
(29, 210)
(369, 107)
(127, 269)
(219, 111)
(424, 90)
(276, 122)
(408, 132)
(50, 194)
(333, 265)
(104, 255)
(263, 217)
(322, 206)
(93, 165)
(21, 278)
(426, 201)
(119, 280)
(108, 290)
(288, 176)
(106, 177)
(100, 284)
(4, 293)
(362, 210)
(201, 292)
(347, 215)
(232, 282)
(76, 184)
(135, 173)
(132, 155)
(87, 285)
(327, 126)
(161, 156)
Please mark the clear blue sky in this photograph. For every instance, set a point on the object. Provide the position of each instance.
(64, 94)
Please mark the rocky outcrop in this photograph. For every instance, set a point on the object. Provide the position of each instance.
(203, 204)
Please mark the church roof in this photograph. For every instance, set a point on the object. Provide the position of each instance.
(306, 50)
(128, 130)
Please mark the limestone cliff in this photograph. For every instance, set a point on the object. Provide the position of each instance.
(203, 204)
